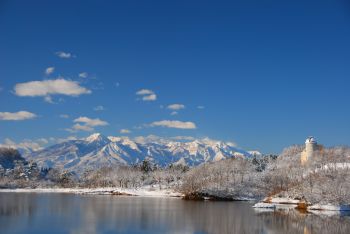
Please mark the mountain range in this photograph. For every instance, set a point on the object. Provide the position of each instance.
(97, 150)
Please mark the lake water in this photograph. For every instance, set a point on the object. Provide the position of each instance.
(69, 213)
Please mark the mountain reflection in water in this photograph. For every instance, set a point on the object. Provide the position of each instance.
(68, 213)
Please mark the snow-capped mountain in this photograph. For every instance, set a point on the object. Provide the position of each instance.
(97, 150)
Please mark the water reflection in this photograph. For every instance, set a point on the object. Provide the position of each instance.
(65, 213)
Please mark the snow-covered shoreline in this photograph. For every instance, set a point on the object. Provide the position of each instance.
(329, 207)
(146, 191)
(142, 192)
(273, 202)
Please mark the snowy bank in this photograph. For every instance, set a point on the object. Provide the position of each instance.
(329, 207)
(281, 200)
(275, 203)
(264, 205)
(146, 191)
(273, 206)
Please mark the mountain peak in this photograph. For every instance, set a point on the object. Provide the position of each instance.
(96, 137)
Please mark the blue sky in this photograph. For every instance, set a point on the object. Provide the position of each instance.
(265, 74)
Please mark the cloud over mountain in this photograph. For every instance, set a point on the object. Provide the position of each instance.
(91, 122)
(125, 131)
(86, 124)
(174, 124)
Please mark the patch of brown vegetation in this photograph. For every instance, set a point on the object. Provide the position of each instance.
(117, 193)
(302, 207)
(268, 200)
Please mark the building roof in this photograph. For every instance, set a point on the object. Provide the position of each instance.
(311, 140)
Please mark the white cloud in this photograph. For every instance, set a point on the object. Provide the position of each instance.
(125, 131)
(147, 139)
(83, 75)
(151, 97)
(91, 122)
(99, 108)
(64, 116)
(176, 107)
(70, 138)
(49, 70)
(117, 84)
(64, 55)
(86, 124)
(174, 113)
(148, 95)
(20, 115)
(144, 92)
(46, 88)
(48, 99)
(173, 124)
(154, 138)
(33, 145)
(210, 141)
(36, 144)
(183, 138)
(43, 141)
(80, 127)
(200, 107)
(26, 144)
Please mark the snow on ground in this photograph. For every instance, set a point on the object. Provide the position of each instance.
(327, 213)
(264, 205)
(281, 200)
(146, 191)
(273, 206)
(327, 167)
(278, 203)
(329, 207)
(335, 166)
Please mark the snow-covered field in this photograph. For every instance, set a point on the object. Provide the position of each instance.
(146, 191)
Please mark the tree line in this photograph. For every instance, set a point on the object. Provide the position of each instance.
(326, 177)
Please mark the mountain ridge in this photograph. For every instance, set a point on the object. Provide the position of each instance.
(97, 150)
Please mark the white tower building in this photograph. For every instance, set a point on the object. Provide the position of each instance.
(310, 147)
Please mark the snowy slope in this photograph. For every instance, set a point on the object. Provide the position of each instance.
(97, 150)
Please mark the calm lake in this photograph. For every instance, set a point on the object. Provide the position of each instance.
(69, 213)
